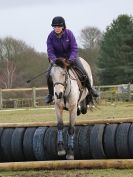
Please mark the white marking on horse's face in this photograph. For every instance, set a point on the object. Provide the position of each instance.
(58, 75)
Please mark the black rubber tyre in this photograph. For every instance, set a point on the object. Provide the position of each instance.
(6, 145)
(28, 144)
(76, 142)
(50, 143)
(130, 136)
(84, 142)
(109, 141)
(1, 131)
(96, 141)
(38, 144)
(17, 144)
(122, 140)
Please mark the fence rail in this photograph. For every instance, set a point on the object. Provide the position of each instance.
(123, 92)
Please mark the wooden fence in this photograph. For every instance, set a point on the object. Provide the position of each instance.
(111, 93)
(16, 90)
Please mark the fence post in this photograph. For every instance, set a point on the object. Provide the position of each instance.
(129, 92)
(34, 97)
(1, 101)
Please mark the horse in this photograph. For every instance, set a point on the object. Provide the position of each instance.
(69, 96)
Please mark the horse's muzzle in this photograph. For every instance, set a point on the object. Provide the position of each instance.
(59, 96)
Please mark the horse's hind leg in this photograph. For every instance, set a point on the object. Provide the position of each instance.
(83, 105)
(78, 111)
(60, 142)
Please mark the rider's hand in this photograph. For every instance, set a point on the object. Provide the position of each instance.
(70, 62)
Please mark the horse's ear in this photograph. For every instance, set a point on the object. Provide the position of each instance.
(63, 63)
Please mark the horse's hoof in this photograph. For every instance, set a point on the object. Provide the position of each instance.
(70, 154)
(69, 157)
(84, 110)
(78, 112)
(61, 150)
(61, 153)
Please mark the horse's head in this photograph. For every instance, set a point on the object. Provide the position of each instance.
(59, 77)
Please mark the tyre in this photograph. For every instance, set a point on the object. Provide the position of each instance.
(84, 142)
(130, 136)
(38, 144)
(6, 145)
(96, 141)
(76, 142)
(109, 141)
(17, 144)
(1, 131)
(28, 144)
(50, 143)
(122, 140)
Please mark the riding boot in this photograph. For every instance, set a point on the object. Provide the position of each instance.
(92, 90)
(49, 97)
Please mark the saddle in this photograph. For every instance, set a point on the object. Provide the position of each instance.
(79, 75)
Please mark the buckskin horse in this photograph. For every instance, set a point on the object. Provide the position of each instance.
(69, 94)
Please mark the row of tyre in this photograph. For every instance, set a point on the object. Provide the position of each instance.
(98, 141)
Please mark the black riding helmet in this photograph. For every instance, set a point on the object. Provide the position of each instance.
(58, 21)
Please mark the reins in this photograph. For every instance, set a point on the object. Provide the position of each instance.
(69, 77)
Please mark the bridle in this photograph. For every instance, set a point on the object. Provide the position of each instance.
(65, 83)
(69, 77)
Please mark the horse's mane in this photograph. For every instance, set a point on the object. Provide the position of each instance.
(61, 62)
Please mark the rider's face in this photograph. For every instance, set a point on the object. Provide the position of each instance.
(58, 29)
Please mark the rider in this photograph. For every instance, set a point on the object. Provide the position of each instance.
(61, 43)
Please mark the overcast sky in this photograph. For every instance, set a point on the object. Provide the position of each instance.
(30, 20)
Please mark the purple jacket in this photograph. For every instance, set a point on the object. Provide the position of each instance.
(65, 46)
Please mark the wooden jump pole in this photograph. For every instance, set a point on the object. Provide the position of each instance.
(53, 123)
(68, 164)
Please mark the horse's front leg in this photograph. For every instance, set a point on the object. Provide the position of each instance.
(72, 117)
(60, 142)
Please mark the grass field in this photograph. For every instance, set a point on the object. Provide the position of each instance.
(115, 110)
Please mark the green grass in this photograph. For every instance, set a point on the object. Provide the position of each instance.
(101, 112)
(71, 173)
(121, 110)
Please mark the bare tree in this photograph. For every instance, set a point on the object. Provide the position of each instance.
(90, 37)
(9, 49)
(18, 63)
(7, 74)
